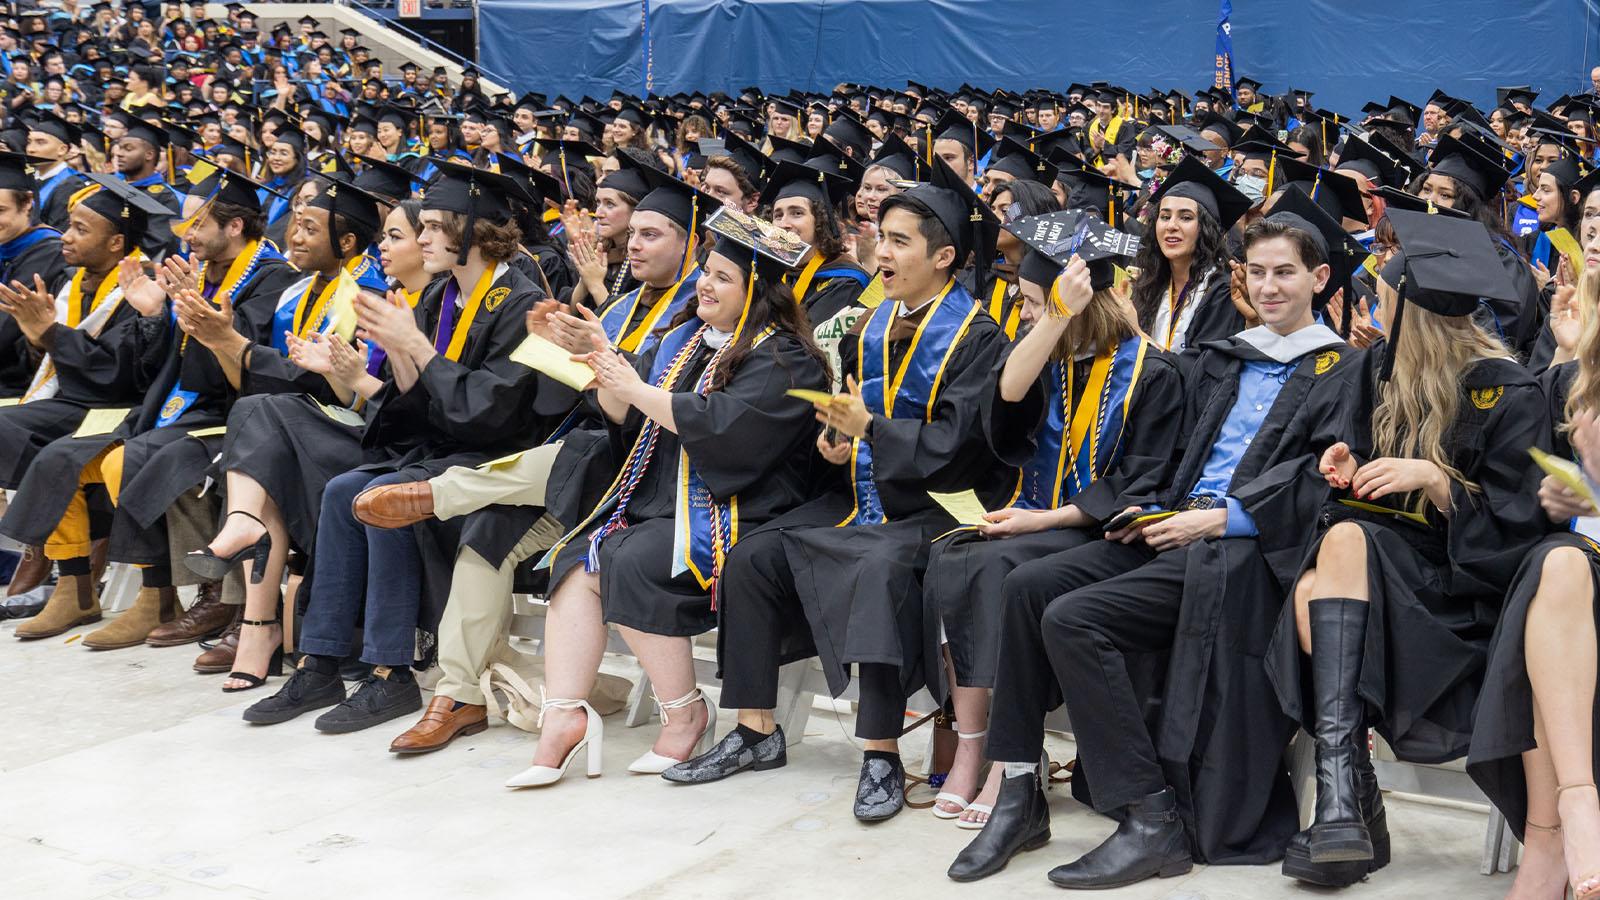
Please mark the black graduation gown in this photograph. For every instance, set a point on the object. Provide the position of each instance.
(828, 296)
(859, 585)
(961, 590)
(53, 211)
(1502, 727)
(746, 439)
(111, 370)
(1436, 591)
(462, 413)
(1518, 322)
(159, 464)
(1215, 318)
(17, 360)
(1543, 351)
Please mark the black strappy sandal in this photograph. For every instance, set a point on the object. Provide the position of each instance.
(212, 567)
(274, 665)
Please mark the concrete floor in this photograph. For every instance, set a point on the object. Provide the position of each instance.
(123, 774)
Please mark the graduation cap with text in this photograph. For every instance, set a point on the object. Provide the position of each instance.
(753, 242)
(1054, 238)
(1444, 265)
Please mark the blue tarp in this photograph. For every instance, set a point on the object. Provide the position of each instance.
(1349, 52)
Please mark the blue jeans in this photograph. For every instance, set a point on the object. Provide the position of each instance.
(356, 566)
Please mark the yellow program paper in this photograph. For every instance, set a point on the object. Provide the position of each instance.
(964, 506)
(810, 396)
(1567, 246)
(214, 431)
(100, 421)
(543, 355)
(1567, 472)
(1416, 517)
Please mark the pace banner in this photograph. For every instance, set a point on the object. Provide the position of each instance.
(1224, 65)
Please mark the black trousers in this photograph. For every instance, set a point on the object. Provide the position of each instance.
(1071, 620)
(759, 607)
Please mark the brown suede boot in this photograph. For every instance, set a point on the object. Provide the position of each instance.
(74, 602)
(31, 572)
(153, 607)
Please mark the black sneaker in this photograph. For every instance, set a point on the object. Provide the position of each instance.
(304, 691)
(375, 701)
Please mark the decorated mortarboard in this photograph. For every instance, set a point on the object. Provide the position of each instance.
(744, 238)
(1344, 253)
(1194, 180)
(1054, 238)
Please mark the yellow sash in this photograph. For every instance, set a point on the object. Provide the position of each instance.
(458, 338)
(75, 295)
(803, 283)
(631, 342)
(305, 319)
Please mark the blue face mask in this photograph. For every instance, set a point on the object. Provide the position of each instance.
(1146, 174)
(1252, 186)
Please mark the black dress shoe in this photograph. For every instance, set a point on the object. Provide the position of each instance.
(1020, 821)
(1149, 842)
(881, 791)
(732, 754)
(304, 691)
(377, 700)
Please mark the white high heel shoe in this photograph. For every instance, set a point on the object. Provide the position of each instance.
(593, 732)
(653, 763)
(957, 799)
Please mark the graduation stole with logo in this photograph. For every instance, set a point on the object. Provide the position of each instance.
(70, 310)
(704, 528)
(619, 312)
(239, 273)
(912, 389)
(450, 333)
(1069, 460)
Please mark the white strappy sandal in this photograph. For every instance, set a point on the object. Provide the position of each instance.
(945, 797)
(653, 763)
(593, 732)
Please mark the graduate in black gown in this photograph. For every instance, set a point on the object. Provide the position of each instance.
(1535, 731)
(293, 423)
(28, 251)
(1089, 411)
(53, 139)
(1390, 622)
(455, 398)
(225, 297)
(804, 200)
(838, 577)
(703, 411)
(1178, 606)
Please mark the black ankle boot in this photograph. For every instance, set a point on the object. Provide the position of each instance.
(1338, 639)
(1020, 821)
(1297, 859)
(1149, 842)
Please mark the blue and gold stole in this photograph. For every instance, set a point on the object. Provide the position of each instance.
(912, 389)
(704, 528)
(1070, 459)
(616, 315)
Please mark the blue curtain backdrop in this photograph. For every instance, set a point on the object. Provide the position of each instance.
(1346, 50)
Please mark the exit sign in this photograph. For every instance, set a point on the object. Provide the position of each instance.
(409, 9)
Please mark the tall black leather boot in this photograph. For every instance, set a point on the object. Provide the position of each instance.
(1338, 638)
(1297, 859)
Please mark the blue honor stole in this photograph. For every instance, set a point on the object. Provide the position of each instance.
(1068, 460)
(616, 315)
(913, 388)
(15, 247)
(48, 186)
(300, 313)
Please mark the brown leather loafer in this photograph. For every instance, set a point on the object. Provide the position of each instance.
(31, 572)
(439, 726)
(395, 505)
(208, 617)
(219, 657)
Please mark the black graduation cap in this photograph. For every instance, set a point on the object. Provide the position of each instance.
(684, 205)
(972, 226)
(1397, 112)
(896, 156)
(474, 193)
(1087, 188)
(953, 126)
(1016, 160)
(1339, 195)
(827, 155)
(1394, 198)
(17, 171)
(1373, 164)
(48, 122)
(385, 179)
(536, 183)
(1459, 160)
(849, 132)
(1194, 180)
(1510, 96)
(309, 20)
(226, 186)
(150, 133)
(757, 167)
(816, 184)
(629, 178)
(784, 149)
(1221, 125)
(1560, 137)
(787, 105)
(1344, 253)
(342, 198)
(1054, 238)
(1248, 83)
(1444, 265)
(1567, 172)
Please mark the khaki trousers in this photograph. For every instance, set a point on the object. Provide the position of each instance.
(475, 628)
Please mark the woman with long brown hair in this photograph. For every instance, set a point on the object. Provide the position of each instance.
(1087, 409)
(1391, 618)
(1535, 730)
